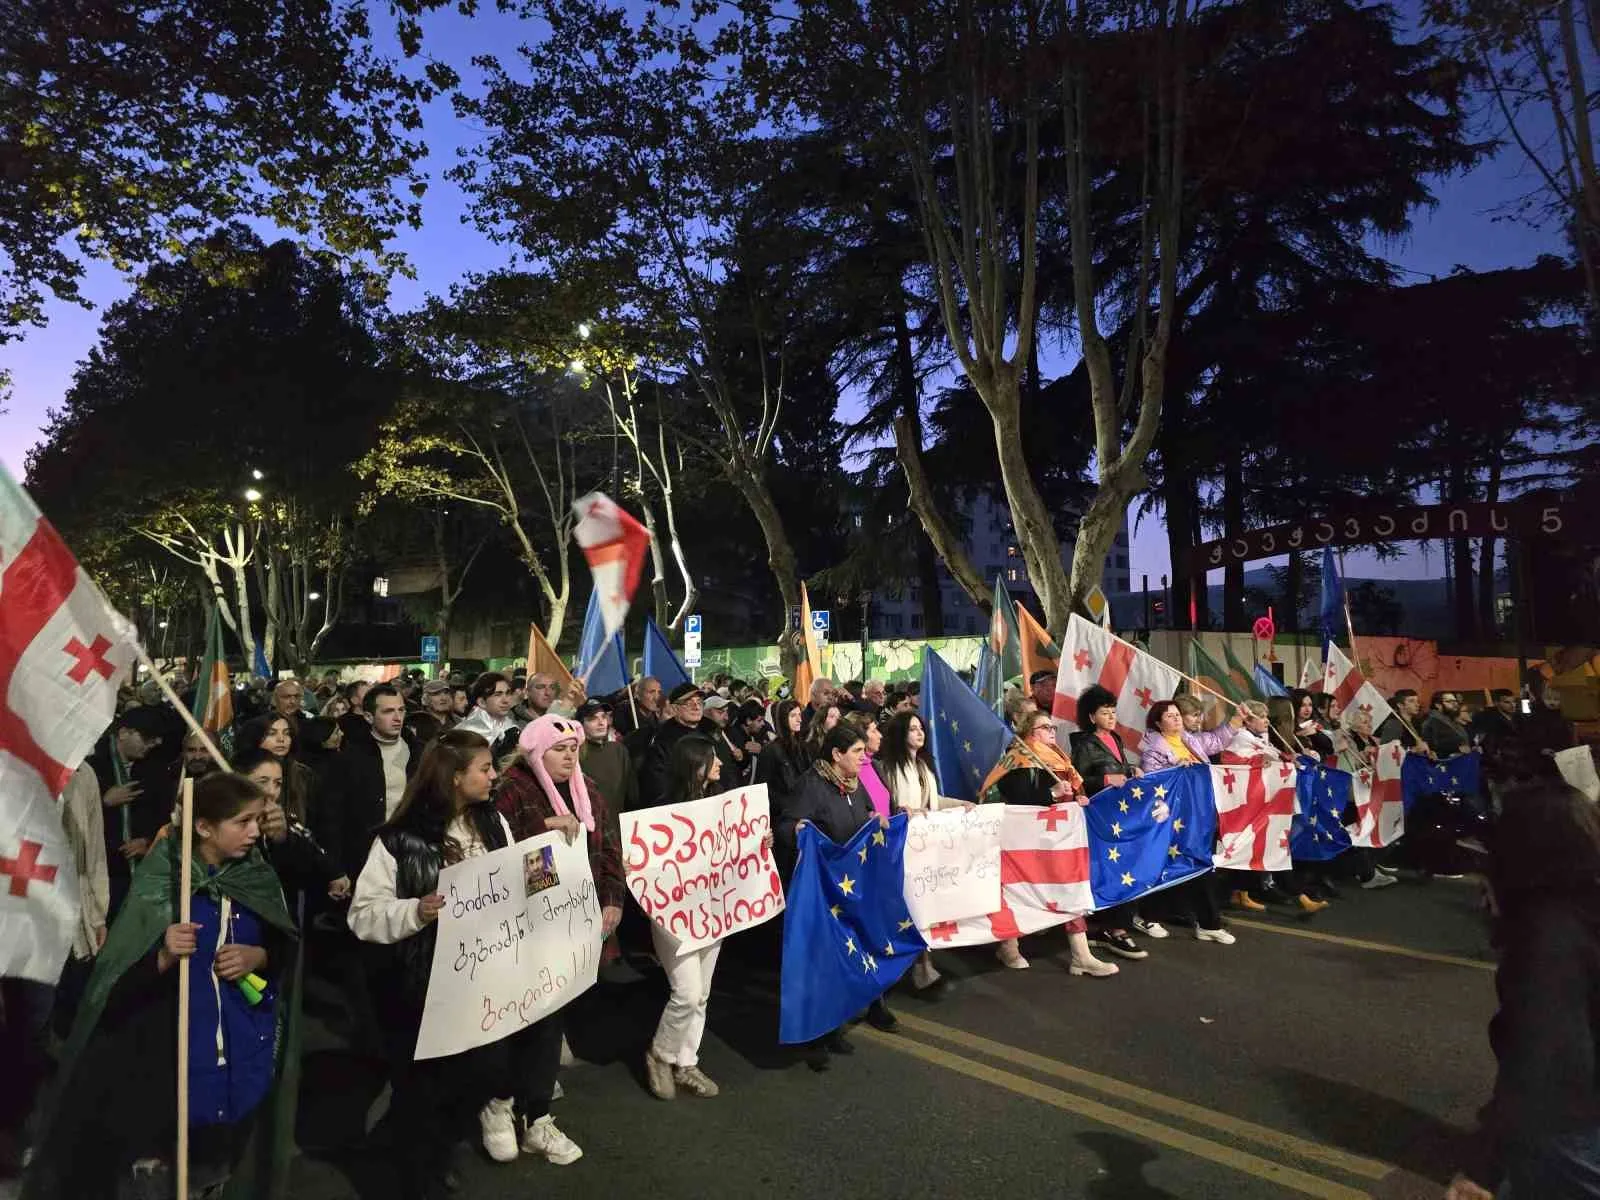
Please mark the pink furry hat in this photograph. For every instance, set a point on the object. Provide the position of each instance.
(537, 737)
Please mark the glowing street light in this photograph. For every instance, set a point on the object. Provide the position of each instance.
(583, 330)
(314, 596)
(252, 495)
(576, 366)
(257, 475)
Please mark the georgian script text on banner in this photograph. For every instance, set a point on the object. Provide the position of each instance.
(699, 870)
(953, 864)
(519, 936)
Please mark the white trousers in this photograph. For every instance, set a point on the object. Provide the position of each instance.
(683, 1021)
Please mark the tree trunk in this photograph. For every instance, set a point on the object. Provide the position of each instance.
(943, 538)
(1233, 614)
(1178, 495)
(1032, 523)
(932, 594)
(780, 554)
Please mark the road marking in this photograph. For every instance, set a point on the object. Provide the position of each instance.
(1247, 1131)
(1282, 1176)
(1450, 960)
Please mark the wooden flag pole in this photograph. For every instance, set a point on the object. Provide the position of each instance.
(1355, 655)
(188, 717)
(186, 863)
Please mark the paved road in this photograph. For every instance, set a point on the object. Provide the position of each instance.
(1337, 1057)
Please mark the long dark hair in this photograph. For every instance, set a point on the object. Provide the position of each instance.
(295, 785)
(791, 742)
(1280, 723)
(688, 767)
(429, 803)
(816, 732)
(893, 752)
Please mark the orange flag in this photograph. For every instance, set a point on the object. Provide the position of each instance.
(809, 669)
(1039, 653)
(543, 660)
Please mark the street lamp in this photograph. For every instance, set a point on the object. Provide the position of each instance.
(257, 475)
(576, 366)
(583, 330)
(314, 596)
(252, 495)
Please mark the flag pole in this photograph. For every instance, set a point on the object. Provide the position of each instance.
(186, 865)
(183, 711)
(1186, 678)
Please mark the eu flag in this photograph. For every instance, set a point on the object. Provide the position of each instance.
(965, 736)
(1131, 853)
(659, 660)
(602, 665)
(847, 934)
(1456, 776)
(1317, 832)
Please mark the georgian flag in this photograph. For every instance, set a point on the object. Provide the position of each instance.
(63, 654)
(615, 545)
(1380, 800)
(1353, 690)
(1091, 655)
(1255, 808)
(1044, 878)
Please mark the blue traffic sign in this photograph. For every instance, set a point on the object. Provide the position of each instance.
(430, 649)
(819, 620)
(691, 623)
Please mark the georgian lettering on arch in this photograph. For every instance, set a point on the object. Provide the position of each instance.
(1383, 526)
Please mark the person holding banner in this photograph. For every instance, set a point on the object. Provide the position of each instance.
(1097, 749)
(237, 942)
(830, 797)
(672, 1061)
(1035, 772)
(445, 817)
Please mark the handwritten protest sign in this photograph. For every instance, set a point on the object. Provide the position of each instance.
(953, 864)
(1577, 768)
(519, 936)
(698, 869)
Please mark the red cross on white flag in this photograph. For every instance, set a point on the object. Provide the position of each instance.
(1352, 690)
(1044, 878)
(615, 546)
(1091, 655)
(1380, 801)
(1255, 807)
(63, 652)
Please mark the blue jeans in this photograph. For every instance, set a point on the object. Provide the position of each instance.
(1563, 1167)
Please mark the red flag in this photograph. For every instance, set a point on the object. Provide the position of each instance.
(615, 545)
(63, 653)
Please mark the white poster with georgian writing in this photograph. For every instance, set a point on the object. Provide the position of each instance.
(702, 870)
(952, 864)
(519, 936)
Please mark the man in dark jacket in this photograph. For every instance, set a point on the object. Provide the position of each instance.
(370, 778)
(1497, 723)
(684, 711)
(1443, 730)
(1401, 725)
(606, 762)
(736, 752)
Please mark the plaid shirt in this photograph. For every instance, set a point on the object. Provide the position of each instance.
(525, 807)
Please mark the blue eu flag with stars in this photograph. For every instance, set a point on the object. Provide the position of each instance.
(965, 736)
(659, 660)
(1421, 776)
(1317, 832)
(847, 934)
(1131, 853)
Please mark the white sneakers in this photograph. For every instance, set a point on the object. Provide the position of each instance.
(1150, 929)
(499, 1126)
(658, 1076)
(1379, 880)
(543, 1138)
(1221, 936)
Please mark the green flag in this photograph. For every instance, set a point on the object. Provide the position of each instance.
(213, 690)
(1210, 672)
(1242, 675)
(1004, 658)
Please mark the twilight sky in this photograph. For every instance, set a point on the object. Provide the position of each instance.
(1461, 231)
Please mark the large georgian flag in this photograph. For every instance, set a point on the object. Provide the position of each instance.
(1255, 808)
(1379, 796)
(63, 653)
(1352, 689)
(1091, 655)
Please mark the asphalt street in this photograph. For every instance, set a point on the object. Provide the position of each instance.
(1337, 1056)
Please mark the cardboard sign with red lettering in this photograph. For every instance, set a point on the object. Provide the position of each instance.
(700, 870)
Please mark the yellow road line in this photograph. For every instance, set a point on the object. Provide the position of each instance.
(1124, 1122)
(1451, 960)
(1248, 1131)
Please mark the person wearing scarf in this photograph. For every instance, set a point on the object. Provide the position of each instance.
(117, 1078)
(1033, 771)
(545, 790)
(830, 796)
